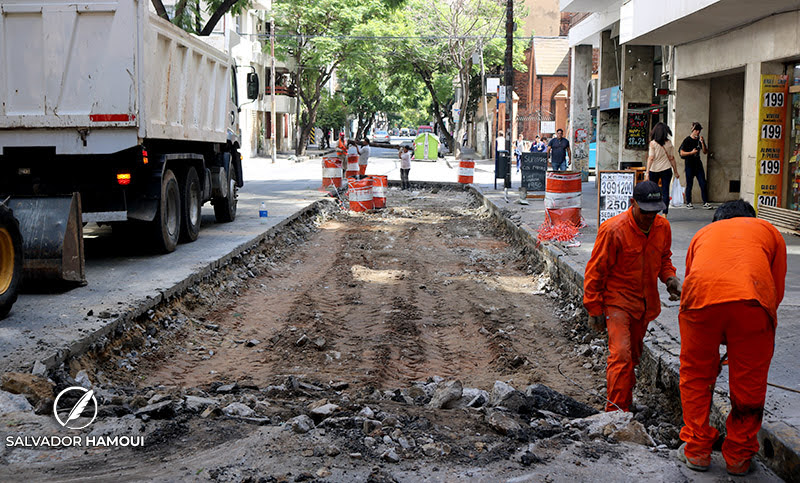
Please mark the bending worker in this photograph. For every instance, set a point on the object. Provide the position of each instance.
(620, 290)
(341, 152)
(735, 276)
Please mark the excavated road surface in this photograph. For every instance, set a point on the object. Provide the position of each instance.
(384, 299)
(338, 352)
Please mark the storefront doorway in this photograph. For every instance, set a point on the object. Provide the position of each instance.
(726, 114)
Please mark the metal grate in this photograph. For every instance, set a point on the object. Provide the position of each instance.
(781, 218)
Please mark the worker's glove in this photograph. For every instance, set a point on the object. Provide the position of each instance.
(597, 322)
(674, 288)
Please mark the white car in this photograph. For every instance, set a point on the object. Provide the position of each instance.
(380, 137)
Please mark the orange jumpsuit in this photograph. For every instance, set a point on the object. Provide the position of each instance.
(735, 277)
(341, 152)
(621, 282)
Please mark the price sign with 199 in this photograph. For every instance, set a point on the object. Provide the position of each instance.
(771, 131)
(773, 99)
(770, 166)
(767, 200)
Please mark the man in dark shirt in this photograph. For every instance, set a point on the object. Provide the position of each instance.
(557, 151)
(690, 152)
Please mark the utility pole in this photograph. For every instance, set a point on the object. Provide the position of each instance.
(485, 106)
(509, 82)
(272, 115)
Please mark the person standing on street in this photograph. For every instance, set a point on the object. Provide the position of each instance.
(690, 152)
(341, 152)
(499, 144)
(558, 150)
(661, 161)
(735, 278)
(519, 147)
(620, 290)
(405, 167)
(363, 157)
(540, 146)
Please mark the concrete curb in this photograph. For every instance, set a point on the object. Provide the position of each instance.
(118, 325)
(780, 443)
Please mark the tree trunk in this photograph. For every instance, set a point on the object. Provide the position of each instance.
(218, 14)
(437, 109)
(463, 77)
(160, 10)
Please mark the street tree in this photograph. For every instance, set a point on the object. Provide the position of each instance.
(200, 17)
(316, 34)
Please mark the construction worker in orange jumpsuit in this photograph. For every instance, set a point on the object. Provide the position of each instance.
(735, 277)
(341, 152)
(620, 290)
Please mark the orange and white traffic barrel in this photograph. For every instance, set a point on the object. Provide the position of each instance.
(562, 197)
(352, 166)
(466, 170)
(360, 194)
(331, 171)
(379, 186)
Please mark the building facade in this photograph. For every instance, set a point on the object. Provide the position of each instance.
(731, 67)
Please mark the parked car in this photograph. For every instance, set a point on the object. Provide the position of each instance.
(404, 131)
(380, 137)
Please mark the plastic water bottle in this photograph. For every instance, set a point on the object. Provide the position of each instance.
(262, 213)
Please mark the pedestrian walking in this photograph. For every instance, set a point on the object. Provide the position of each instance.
(558, 151)
(735, 278)
(519, 147)
(405, 167)
(631, 254)
(661, 161)
(363, 157)
(540, 146)
(690, 152)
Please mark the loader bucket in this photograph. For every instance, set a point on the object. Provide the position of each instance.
(52, 237)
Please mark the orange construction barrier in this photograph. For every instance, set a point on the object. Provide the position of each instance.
(352, 166)
(331, 171)
(466, 170)
(360, 194)
(562, 197)
(379, 185)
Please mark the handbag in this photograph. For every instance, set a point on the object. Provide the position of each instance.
(676, 194)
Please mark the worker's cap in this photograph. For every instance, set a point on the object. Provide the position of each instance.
(648, 195)
(341, 134)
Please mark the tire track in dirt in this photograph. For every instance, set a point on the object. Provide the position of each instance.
(422, 289)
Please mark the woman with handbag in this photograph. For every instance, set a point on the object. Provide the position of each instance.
(661, 161)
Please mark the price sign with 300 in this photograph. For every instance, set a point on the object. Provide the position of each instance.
(771, 131)
(770, 166)
(767, 200)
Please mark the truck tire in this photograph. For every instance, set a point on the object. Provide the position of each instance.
(10, 260)
(225, 208)
(166, 226)
(190, 205)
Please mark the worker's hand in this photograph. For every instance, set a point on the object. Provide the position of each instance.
(674, 288)
(677, 175)
(597, 322)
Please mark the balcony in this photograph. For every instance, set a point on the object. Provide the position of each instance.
(290, 91)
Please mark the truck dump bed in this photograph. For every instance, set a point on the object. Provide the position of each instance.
(97, 76)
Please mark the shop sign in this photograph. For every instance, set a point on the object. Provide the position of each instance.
(609, 98)
(771, 138)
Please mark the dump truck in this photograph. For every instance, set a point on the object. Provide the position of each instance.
(108, 114)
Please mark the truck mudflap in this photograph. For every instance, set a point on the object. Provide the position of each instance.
(52, 237)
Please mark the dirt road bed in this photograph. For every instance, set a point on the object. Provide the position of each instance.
(409, 344)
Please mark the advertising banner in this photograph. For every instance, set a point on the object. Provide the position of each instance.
(771, 139)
